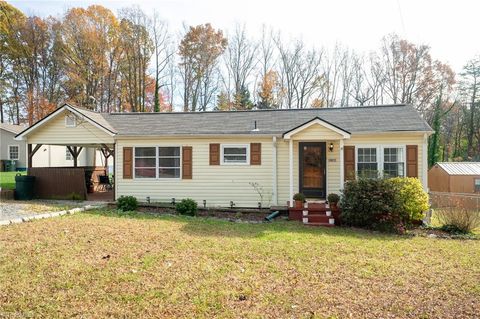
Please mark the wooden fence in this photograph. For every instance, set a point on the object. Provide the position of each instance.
(59, 182)
(460, 200)
(64, 182)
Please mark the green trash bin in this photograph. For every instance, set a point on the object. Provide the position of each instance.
(24, 187)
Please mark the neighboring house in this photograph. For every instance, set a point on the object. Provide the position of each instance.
(46, 156)
(245, 157)
(11, 149)
(455, 177)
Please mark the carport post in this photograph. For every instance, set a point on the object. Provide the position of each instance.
(75, 152)
(31, 153)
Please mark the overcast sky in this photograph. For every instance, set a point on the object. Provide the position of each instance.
(451, 28)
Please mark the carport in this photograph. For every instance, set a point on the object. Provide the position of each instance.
(79, 130)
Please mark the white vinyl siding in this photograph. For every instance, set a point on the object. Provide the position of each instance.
(217, 184)
(220, 184)
(54, 132)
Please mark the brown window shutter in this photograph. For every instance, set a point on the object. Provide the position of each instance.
(187, 162)
(349, 163)
(214, 154)
(412, 160)
(127, 162)
(255, 153)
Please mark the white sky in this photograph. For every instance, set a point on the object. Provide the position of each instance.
(451, 28)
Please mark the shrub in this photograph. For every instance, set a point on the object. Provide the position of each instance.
(383, 204)
(458, 220)
(187, 207)
(299, 197)
(411, 197)
(371, 203)
(127, 203)
(333, 198)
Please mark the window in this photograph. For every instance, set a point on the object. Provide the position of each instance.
(477, 185)
(157, 162)
(393, 162)
(145, 162)
(70, 120)
(367, 166)
(13, 152)
(68, 155)
(169, 162)
(235, 154)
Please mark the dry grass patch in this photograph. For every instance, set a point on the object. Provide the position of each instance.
(107, 265)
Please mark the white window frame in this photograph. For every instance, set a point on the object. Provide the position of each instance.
(376, 147)
(18, 152)
(404, 150)
(156, 164)
(68, 154)
(222, 159)
(70, 116)
(380, 156)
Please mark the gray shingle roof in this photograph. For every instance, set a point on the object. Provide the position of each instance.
(391, 118)
(96, 117)
(460, 168)
(12, 128)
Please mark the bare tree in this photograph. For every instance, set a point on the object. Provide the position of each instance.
(162, 55)
(240, 59)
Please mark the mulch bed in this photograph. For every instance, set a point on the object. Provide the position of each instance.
(234, 215)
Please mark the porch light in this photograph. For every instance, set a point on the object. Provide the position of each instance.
(148, 199)
(204, 203)
(173, 201)
(330, 147)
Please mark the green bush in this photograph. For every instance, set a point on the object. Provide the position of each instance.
(187, 207)
(383, 204)
(370, 203)
(411, 196)
(333, 198)
(127, 203)
(299, 197)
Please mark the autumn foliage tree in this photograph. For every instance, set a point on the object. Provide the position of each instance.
(199, 51)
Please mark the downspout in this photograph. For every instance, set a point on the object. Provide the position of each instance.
(115, 177)
(425, 162)
(274, 172)
(290, 169)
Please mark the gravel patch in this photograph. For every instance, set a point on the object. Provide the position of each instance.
(19, 211)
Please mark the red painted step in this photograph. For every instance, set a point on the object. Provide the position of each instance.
(320, 224)
(318, 218)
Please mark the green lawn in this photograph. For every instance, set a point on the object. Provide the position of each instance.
(7, 179)
(101, 264)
